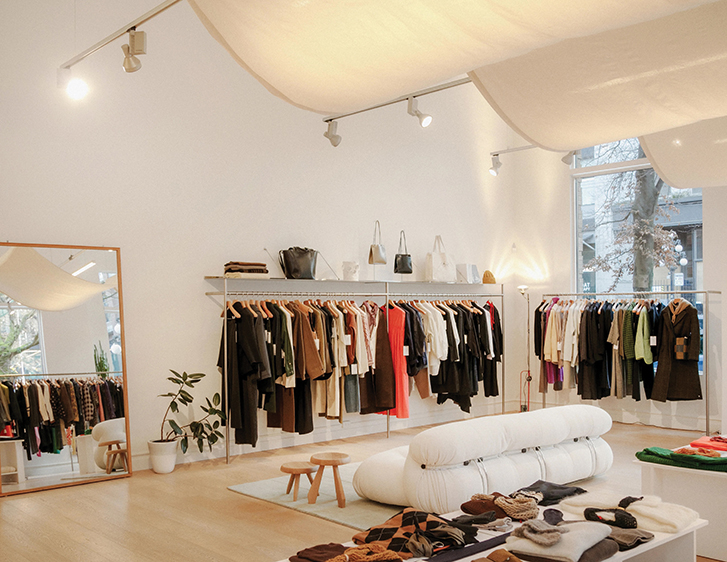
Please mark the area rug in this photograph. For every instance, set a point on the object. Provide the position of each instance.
(359, 513)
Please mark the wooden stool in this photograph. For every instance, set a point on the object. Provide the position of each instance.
(295, 469)
(334, 460)
(113, 450)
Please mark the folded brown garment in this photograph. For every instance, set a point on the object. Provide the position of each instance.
(319, 553)
(476, 507)
(630, 538)
(257, 263)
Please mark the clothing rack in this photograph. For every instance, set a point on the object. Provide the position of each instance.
(637, 294)
(386, 294)
(91, 373)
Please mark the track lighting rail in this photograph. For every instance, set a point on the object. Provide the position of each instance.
(121, 31)
(406, 97)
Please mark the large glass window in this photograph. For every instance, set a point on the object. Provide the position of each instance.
(634, 232)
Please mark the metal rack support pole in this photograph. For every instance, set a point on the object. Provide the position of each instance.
(706, 361)
(502, 326)
(388, 412)
(225, 374)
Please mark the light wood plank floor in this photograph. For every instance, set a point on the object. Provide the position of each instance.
(190, 515)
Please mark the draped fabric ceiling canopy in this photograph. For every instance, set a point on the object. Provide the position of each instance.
(565, 74)
(30, 279)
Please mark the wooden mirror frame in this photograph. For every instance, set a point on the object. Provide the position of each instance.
(99, 477)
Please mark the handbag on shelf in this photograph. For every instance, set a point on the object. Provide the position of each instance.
(440, 267)
(298, 263)
(467, 273)
(377, 252)
(402, 260)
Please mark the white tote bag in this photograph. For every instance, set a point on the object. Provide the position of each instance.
(440, 267)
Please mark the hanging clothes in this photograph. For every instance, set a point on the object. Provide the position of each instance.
(677, 374)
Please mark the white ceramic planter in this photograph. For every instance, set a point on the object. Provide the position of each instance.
(163, 455)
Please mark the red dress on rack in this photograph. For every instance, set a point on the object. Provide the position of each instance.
(397, 322)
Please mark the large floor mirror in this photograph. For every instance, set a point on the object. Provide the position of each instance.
(63, 397)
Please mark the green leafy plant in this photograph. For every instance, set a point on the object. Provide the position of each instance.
(203, 430)
(101, 361)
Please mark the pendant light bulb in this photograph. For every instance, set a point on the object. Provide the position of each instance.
(495, 169)
(424, 119)
(331, 135)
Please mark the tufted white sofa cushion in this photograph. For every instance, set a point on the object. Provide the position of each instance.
(443, 466)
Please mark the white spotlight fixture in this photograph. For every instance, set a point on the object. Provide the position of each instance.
(568, 158)
(522, 289)
(331, 135)
(424, 119)
(136, 46)
(495, 164)
(86, 267)
(683, 261)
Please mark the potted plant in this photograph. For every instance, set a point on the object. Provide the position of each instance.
(163, 451)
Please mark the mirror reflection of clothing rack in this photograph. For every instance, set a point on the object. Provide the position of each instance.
(667, 294)
(88, 410)
(457, 292)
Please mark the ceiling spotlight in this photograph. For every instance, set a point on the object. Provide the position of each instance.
(424, 119)
(331, 135)
(136, 46)
(495, 164)
(76, 89)
(683, 261)
(568, 158)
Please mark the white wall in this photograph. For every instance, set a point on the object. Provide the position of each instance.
(190, 162)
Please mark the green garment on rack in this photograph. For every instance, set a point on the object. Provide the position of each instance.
(629, 348)
(665, 456)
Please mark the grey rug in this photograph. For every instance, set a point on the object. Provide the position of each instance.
(359, 513)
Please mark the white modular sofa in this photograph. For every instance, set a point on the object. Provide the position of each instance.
(443, 466)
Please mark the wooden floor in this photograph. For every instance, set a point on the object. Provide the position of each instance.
(190, 515)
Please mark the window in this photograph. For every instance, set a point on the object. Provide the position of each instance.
(20, 339)
(633, 231)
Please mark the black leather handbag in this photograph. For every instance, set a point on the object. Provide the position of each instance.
(402, 260)
(298, 263)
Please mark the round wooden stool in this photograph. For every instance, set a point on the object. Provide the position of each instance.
(333, 460)
(295, 469)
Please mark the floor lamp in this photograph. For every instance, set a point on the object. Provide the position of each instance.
(523, 291)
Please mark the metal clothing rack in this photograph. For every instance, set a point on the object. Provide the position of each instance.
(388, 294)
(638, 294)
(47, 375)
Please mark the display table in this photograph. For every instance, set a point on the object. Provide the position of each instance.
(11, 455)
(665, 547)
(702, 490)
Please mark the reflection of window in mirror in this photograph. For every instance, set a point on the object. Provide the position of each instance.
(21, 338)
(113, 320)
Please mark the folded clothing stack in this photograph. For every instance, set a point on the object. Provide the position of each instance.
(246, 270)
(659, 455)
(716, 442)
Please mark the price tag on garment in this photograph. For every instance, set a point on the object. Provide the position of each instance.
(615, 347)
(347, 339)
(652, 340)
(275, 349)
(269, 337)
(429, 346)
(560, 346)
(318, 343)
(406, 351)
(354, 369)
(465, 339)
